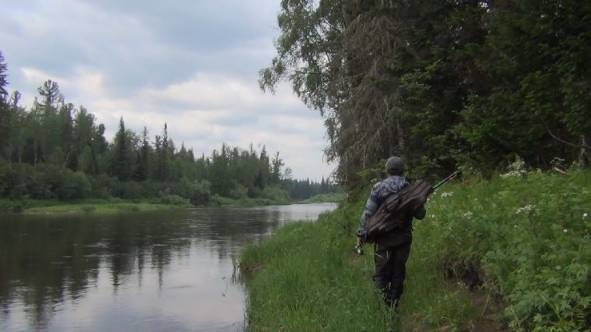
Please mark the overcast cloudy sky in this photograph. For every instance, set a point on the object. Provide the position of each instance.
(190, 63)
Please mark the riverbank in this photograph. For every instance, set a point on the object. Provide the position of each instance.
(325, 198)
(509, 253)
(247, 202)
(49, 207)
(112, 206)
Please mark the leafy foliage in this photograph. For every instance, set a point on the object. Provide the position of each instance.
(525, 239)
(443, 83)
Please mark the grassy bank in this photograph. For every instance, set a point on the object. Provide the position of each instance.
(115, 205)
(248, 202)
(40, 207)
(512, 253)
(325, 198)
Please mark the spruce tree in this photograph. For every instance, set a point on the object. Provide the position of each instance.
(121, 161)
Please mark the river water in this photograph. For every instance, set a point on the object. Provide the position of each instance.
(153, 271)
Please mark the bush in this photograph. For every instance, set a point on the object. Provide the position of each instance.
(5, 176)
(101, 186)
(74, 185)
(127, 189)
(26, 181)
(200, 193)
(45, 181)
(275, 194)
(173, 200)
(253, 191)
(238, 191)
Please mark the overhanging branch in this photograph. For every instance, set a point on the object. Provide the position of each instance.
(563, 141)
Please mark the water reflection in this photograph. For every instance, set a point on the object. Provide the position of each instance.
(170, 270)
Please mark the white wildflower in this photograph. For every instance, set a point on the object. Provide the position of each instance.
(585, 215)
(447, 194)
(468, 215)
(565, 230)
(525, 209)
(511, 174)
(432, 216)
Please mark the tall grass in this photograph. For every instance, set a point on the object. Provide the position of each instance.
(518, 245)
(304, 278)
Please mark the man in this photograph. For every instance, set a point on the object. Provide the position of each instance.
(391, 250)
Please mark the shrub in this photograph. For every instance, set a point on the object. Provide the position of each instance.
(88, 208)
(238, 191)
(200, 193)
(101, 186)
(127, 189)
(74, 185)
(5, 176)
(45, 181)
(173, 200)
(275, 194)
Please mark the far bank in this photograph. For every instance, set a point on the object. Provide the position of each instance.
(113, 206)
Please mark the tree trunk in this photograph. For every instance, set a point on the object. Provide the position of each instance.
(400, 133)
(583, 157)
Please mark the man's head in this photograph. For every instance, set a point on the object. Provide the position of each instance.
(395, 166)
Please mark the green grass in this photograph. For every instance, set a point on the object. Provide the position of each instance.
(302, 279)
(246, 202)
(38, 207)
(325, 198)
(98, 208)
(506, 254)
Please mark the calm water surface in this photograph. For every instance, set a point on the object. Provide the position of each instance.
(163, 271)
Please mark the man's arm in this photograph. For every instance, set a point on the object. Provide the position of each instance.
(371, 206)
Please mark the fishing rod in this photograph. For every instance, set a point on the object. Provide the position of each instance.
(447, 179)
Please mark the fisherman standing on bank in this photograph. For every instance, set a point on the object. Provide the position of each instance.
(391, 250)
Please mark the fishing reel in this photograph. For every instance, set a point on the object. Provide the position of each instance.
(358, 250)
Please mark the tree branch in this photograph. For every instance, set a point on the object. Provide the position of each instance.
(565, 141)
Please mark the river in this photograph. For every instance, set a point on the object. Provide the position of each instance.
(154, 271)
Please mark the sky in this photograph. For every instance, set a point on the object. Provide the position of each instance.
(190, 63)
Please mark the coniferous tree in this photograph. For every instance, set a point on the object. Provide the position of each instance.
(143, 161)
(4, 110)
(276, 165)
(163, 155)
(3, 78)
(121, 161)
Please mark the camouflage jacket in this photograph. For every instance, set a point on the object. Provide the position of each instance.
(379, 193)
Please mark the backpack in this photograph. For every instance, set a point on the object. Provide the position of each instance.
(397, 209)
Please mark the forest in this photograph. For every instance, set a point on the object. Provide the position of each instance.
(475, 84)
(57, 151)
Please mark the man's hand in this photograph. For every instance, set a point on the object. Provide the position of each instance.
(359, 246)
(360, 242)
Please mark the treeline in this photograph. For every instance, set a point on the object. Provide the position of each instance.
(55, 150)
(469, 83)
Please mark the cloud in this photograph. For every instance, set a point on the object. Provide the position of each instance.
(191, 64)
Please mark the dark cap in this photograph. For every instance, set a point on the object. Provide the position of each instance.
(395, 165)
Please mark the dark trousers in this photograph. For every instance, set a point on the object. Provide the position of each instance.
(390, 271)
